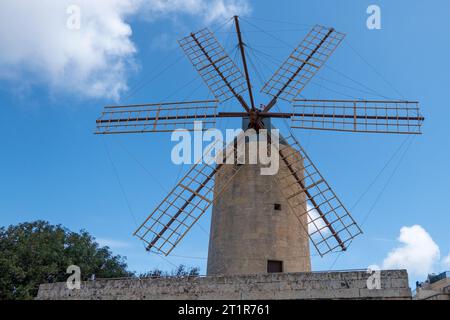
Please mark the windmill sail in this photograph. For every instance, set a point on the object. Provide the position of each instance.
(159, 117)
(216, 68)
(303, 63)
(330, 225)
(357, 116)
(186, 203)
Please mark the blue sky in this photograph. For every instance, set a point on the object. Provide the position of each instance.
(53, 167)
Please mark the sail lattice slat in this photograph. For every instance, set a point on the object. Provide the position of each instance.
(330, 226)
(160, 117)
(186, 203)
(303, 63)
(400, 117)
(216, 68)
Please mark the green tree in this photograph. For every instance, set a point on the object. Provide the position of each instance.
(32, 253)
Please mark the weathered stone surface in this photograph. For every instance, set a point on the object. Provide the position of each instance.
(247, 231)
(320, 285)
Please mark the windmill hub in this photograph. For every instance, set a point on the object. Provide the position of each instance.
(255, 119)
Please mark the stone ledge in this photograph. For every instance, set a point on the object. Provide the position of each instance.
(311, 285)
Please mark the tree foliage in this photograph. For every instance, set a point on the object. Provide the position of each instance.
(32, 253)
(37, 252)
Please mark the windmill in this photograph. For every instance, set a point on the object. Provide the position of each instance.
(259, 223)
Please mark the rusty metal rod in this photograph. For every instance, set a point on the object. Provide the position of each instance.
(344, 116)
(310, 198)
(240, 99)
(357, 101)
(138, 119)
(200, 187)
(244, 62)
(275, 98)
(314, 203)
(315, 115)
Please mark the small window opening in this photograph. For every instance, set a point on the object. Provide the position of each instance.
(274, 266)
(277, 206)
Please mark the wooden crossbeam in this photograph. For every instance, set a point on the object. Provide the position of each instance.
(160, 117)
(224, 79)
(372, 116)
(302, 64)
(312, 200)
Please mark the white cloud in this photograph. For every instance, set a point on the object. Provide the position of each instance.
(111, 243)
(418, 253)
(446, 261)
(315, 223)
(36, 46)
(208, 10)
(224, 9)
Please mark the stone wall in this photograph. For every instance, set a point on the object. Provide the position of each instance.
(315, 285)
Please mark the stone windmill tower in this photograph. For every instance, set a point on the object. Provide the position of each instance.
(260, 223)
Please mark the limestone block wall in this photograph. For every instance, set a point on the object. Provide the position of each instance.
(246, 229)
(316, 285)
